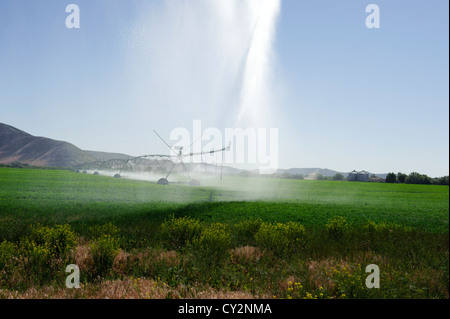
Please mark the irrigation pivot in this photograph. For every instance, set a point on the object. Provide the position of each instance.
(178, 151)
(175, 157)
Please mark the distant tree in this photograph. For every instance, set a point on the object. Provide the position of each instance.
(417, 178)
(245, 173)
(391, 178)
(373, 176)
(290, 176)
(318, 177)
(285, 175)
(440, 180)
(338, 177)
(401, 177)
(19, 165)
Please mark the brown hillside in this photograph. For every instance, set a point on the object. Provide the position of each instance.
(17, 145)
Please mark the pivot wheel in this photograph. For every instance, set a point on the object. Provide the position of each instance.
(194, 182)
(163, 181)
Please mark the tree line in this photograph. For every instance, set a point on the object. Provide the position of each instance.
(412, 178)
(415, 178)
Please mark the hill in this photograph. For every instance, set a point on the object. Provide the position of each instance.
(105, 156)
(19, 146)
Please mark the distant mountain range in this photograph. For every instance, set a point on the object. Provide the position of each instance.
(19, 146)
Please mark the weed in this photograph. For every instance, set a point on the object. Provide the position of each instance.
(282, 238)
(177, 232)
(337, 227)
(244, 231)
(212, 243)
(104, 250)
(60, 240)
(8, 252)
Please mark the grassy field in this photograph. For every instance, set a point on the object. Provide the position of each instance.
(230, 238)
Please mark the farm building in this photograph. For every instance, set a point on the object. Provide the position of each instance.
(361, 176)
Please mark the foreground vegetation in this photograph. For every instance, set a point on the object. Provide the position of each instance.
(251, 259)
(293, 239)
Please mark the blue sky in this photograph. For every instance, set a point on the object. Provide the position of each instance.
(344, 96)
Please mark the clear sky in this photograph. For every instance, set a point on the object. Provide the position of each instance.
(342, 96)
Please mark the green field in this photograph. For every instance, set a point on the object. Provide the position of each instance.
(419, 240)
(52, 197)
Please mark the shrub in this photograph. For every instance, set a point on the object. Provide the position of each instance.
(177, 232)
(7, 252)
(337, 227)
(106, 229)
(42, 251)
(104, 249)
(384, 228)
(281, 238)
(59, 239)
(245, 230)
(38, 260)
(349, 282)
(213, 242)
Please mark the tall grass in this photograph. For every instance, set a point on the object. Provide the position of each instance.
(288, 260)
